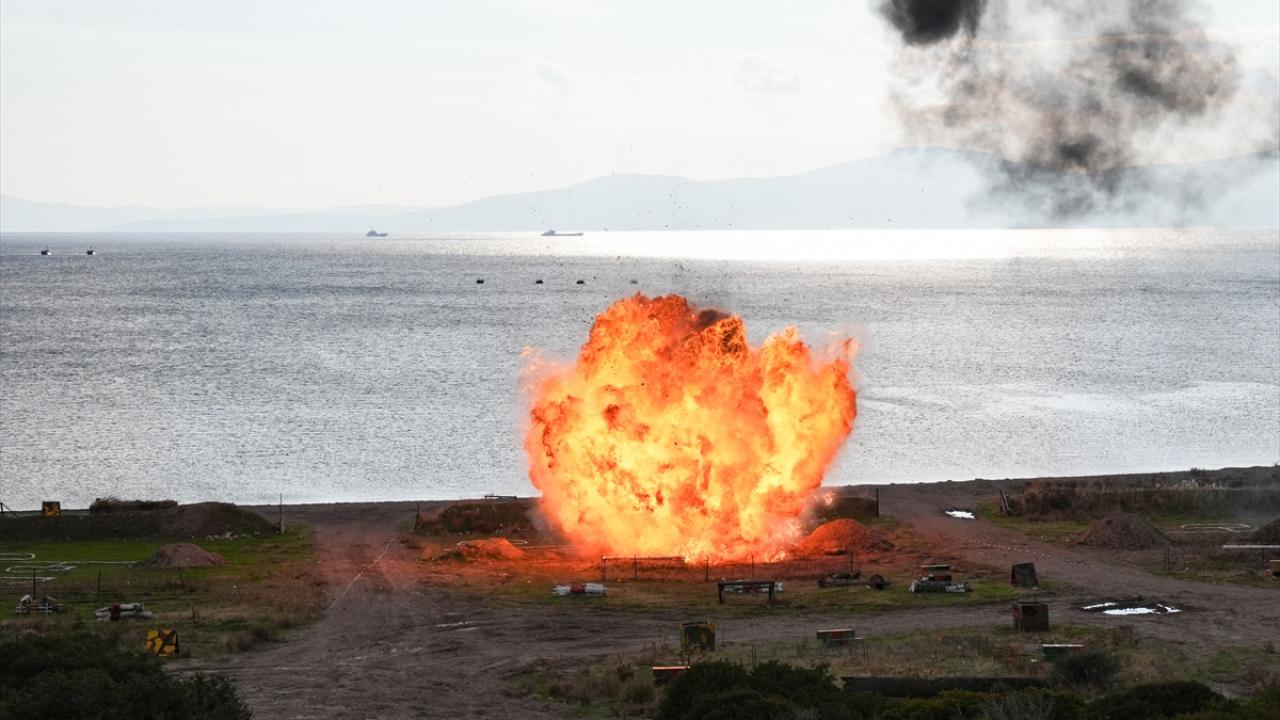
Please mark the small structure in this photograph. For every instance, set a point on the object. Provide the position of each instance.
(51, 508)
(852, 579)
(28, 605)
(162, 642)
(742, 586)
(1030, 616)
(663, 674)
(838, 636)
(699, 636)
(1273, 567)
(1057, 651)
(590, 588)
(940, 573)
(937, 586)
(1023, 574)
(842, 637)
(121, 611)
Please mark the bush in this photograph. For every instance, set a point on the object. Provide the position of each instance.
(1095, 668)
(808, 687)
(1197, 492)
(486, 518)
(1034, 705)
(1155, 701)
(81, 675)
(772, 690)
(739, 703)
(700, 681)
(114, 504)
(846, 506)
(948, 705)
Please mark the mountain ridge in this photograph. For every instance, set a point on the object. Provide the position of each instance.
(907, 188)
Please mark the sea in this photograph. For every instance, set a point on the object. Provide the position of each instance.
(317, 368)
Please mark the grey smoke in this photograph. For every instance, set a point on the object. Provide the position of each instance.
(1069, 114)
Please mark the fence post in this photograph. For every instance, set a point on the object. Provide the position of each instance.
(635, 567)
(604, 571)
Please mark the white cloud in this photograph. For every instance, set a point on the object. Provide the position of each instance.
(552, 81)
(759, 74)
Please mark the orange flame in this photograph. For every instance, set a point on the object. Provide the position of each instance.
(673, 436)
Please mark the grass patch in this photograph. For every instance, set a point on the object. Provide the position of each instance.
(613, 688)
(267, 586)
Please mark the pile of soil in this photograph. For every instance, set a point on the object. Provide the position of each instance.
(213, 518)
(182, 555)
(1124, 531)
(489, 548)
(486, 518)
(840, 536)
(1268, 534)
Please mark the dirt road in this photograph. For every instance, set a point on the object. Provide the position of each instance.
(395, 645)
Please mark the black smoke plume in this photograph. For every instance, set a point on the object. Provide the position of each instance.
(1072, 95)
(923, 22)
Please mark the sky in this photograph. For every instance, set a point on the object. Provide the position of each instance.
(320, 103)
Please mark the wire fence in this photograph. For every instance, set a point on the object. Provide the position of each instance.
(638, 567)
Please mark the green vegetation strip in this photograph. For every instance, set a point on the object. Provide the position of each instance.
(267, 586)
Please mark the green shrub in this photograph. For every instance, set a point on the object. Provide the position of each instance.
(1034, 704)
(948, 705)
(83, 676)
(1155, 701)
(703, 680)
(1095, 668)
(739, 703)
(807, 687)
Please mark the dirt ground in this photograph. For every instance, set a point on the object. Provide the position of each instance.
(396, 643)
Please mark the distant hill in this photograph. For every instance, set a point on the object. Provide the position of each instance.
(914, 188)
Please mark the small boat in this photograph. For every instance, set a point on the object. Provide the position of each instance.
(374, 233)
(44, 251)
(553, 233)
(89, 251)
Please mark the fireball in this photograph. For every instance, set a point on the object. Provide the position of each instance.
(672, 435)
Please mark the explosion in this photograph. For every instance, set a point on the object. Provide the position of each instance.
(673, 436)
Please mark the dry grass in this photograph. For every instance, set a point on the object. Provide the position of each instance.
(601, 687)
(1216, 494)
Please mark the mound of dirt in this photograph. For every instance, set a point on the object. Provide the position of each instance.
(1269, 533)
(489, 548)
(840, 536)
(213, 518)
(182, 555)
(1124, 531)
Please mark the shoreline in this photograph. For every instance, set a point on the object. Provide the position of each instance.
(991, 484)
